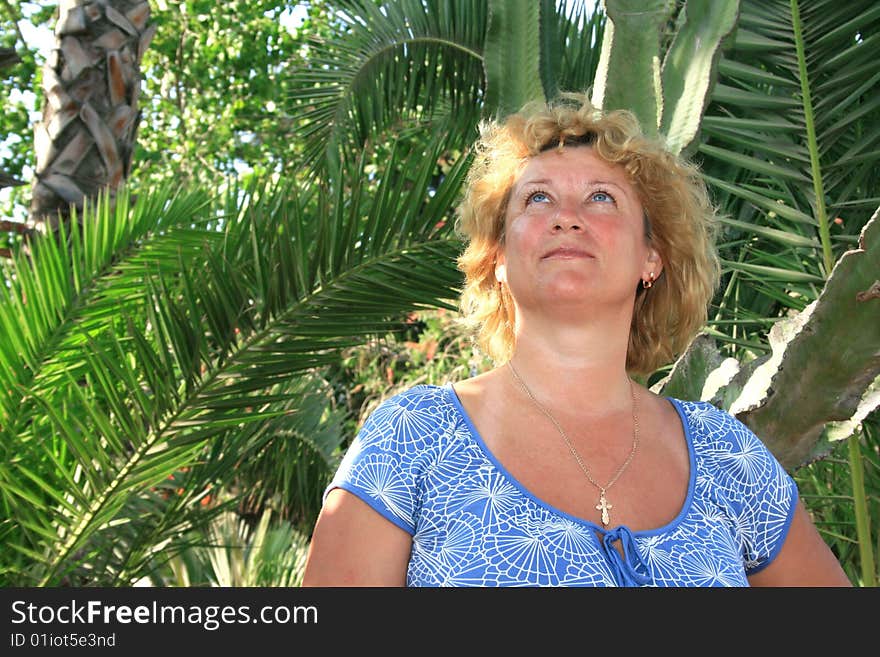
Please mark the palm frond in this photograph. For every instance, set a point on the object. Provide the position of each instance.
(289, 473)
(207, 358)
(236, 552)
(388, 62)
(75, 286)
(766, 156)
(578, 33)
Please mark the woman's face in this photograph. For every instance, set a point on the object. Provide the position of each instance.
(574, 234)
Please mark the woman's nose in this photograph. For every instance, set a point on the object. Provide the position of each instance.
(567, 218)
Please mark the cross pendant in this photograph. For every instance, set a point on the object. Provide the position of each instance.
(603, 506)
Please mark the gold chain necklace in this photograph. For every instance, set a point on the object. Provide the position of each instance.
(603, 504)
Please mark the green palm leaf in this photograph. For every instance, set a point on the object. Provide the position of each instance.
(766, 161)
(399, 68)
(571, 46)
(102, 271)
(205, 358)
(390, 64)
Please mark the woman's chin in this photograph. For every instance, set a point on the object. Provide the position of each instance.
(582, 296)
(571, 288)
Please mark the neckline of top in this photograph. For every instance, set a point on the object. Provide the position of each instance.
(452, 397)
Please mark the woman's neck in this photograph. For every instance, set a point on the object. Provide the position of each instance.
(579, 365)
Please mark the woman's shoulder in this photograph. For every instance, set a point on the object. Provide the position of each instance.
(422, 406)
(708, 420)
(725, 445)
(418, 396)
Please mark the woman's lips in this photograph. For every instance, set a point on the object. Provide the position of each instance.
(567, 253)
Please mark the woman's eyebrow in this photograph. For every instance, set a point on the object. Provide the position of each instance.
(534, 181)
(610, 183)
(550, 181)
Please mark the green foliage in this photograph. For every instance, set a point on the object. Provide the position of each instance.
(16, 83)
(795, 187)
(832, 392)
(214, 85)
(236, 552)
(289, 472)
(178, 337)
(398, 68)
(434, 348)
(827, 490)
(194, 353)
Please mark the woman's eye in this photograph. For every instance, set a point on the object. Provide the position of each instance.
(537, 197)
(602, 197)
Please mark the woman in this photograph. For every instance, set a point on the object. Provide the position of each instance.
(589, 257)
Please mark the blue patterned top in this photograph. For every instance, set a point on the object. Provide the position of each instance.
(419, 461)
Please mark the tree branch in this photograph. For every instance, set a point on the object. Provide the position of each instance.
(10, 10)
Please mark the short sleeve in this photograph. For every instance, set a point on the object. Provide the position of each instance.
(386, 462)
(759, 494)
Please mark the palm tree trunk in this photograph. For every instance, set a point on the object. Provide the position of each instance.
(91, 82)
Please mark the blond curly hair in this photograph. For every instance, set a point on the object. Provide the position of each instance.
(679, 222)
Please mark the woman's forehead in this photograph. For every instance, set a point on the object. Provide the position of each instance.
(575, 165)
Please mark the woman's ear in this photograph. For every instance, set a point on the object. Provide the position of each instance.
(653, 263)
(500, 269)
